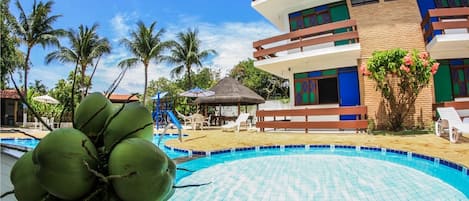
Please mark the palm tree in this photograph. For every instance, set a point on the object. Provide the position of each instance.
(86, 47)
(186, 52)
(36, 28)
(145, 45)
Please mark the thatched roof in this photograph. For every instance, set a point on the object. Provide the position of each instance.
(228, 91)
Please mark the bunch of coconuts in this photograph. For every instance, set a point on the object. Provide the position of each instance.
(108, 155)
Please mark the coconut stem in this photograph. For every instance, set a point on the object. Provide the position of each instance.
(184, 169)
(96, 173)
(121, 176)
(192, 185)
(83, 143)
(7, 193)
(24, 133)
(92, 195)
(92, 117)
(112, 117)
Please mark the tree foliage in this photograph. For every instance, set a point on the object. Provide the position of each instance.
(185, 53)
(36, 28)
(145, 46)
(400, 76)
(263, 83)
(86, 47)
(11, 56)
(43, 109)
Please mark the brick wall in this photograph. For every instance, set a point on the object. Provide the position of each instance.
(387, 25)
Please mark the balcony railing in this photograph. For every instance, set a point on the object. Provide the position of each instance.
(280, 118)
(297, 40)
(438, 20)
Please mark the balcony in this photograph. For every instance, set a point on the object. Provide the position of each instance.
(446, 32)
(321, 47)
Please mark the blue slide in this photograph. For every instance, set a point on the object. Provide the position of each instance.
(174, 120)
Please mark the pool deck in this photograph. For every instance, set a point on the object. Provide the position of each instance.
(214, 139)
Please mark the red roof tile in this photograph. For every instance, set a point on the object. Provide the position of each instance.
(120, 98)
(9, 94)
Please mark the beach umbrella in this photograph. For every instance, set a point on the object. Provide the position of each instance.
(46, 99)
(197, 92)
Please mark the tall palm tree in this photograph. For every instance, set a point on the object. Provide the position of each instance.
(86, 48)
(36, 28)
(145, 45)
(186, 52)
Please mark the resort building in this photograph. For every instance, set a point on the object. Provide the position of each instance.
(324, 41)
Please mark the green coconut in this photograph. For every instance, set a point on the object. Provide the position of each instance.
(92, 113)
(60, 159)
(24, 180)
(154, 172)
(134, 120)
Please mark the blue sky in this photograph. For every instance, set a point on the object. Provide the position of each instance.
(229, 27)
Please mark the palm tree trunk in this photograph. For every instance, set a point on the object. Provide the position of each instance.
(73, 93)
(189, 79)
(82, 81)
(26, 66)
(145, 86)
(92, 74)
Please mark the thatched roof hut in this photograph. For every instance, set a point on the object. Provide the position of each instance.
(229, 91)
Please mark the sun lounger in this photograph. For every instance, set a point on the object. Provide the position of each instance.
(235, 125)
(449, 121)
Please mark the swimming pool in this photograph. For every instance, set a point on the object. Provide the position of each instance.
(31, 143)
(322, 172)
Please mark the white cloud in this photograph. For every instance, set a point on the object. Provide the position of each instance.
(120, 26)
(231, 40)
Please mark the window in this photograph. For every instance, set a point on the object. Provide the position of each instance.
(363, 2)
(451, 3)
(460, 80)
(318, 15)
(328, 92)
(308, 18)
(317, 87)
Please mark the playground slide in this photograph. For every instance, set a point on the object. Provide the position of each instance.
(174, 120)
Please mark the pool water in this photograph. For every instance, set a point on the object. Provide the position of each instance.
(31, 143)
(319, 174)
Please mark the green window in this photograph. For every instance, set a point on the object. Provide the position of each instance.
(451, 3)
(363, 2)
(318, 15)
(317, 87)
(460, 80)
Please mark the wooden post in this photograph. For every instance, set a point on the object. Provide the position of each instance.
(239, 109)
(306, 119)
(15, 114)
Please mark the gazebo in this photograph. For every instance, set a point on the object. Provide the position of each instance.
(229, 92)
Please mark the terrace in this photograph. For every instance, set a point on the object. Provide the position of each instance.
(446, 32)
(314, 48)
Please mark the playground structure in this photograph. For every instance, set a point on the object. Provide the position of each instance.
(164, 117)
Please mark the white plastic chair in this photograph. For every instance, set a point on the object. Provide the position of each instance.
(449, 121)
(185, 119)
(242, 118)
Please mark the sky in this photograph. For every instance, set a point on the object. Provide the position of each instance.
(227, 26)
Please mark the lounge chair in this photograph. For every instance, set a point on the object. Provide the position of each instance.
(235, 125)
(450, 121)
